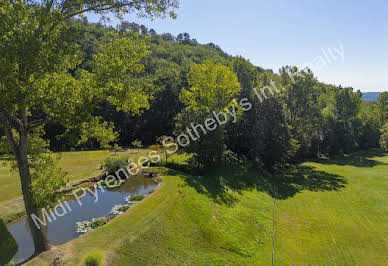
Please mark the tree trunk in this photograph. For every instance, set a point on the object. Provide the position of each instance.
(20, 149)
(38, 235)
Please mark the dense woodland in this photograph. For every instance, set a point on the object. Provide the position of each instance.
(307, 119)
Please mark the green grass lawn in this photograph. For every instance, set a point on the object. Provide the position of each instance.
(78, 165)
(346, 227)
(331, 212)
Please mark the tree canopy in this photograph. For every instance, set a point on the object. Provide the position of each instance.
(40, 82)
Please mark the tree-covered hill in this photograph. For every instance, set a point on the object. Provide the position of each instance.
(306, 118)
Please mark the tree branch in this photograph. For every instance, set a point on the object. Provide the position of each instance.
(8, 132)
(38, 123)
(14, 118)
(96, 8)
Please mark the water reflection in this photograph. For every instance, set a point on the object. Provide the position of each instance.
(62, 229)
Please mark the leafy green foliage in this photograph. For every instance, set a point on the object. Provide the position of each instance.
(383, 105)
(112, 164)
(158, 146)
(4, 146)
(39, 83)
(96, 222)
(117, 148)
(8, 245)
(136, 144)
(124, 208)
(384, 137)
(116, 68)
(166, 69)
(262, 134)
(46, 175)
(368, 132)
(109, 183)
(103, 132)
(118, 209)
(135, 198)
(47, 178)
(86, 226)
(212, 89)
(302, 110)
(94, 258)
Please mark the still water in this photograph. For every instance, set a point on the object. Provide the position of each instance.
(63, 229)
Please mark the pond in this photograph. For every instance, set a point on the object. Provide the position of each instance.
(63, 229)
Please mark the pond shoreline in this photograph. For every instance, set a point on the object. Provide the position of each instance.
(61, 230)
(70, 187)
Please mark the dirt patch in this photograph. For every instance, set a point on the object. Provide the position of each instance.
(54, 256)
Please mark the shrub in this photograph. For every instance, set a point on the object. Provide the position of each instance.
(111, 164)
(110, 183)
(118, 209)
(8, 245)
(136, 144)
(116, 148)
(94, 258)
(135, 198)
(85, 226)
(96, 222)
(160, 147)
(384, 137)
(124, 208)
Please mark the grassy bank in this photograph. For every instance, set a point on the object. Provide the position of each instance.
(345, 227)
(327, 212)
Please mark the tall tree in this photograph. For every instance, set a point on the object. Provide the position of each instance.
(302, 111)
(37, 50)
(212, 89)
(384, 137)
(261, 135)
(383, 104)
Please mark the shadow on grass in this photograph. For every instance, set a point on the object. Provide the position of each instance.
(359, 159)
(218, 183)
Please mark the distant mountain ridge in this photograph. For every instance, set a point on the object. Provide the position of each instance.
(370, 96)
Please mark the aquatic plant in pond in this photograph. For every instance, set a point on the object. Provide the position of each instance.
(96, 222)
(85, 226)
(109, 183)
(135, 198)
(119, 209)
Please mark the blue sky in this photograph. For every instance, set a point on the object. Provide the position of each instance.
(281, 32)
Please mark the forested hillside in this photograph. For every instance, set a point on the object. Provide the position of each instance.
(294, 116)
(165, 69)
